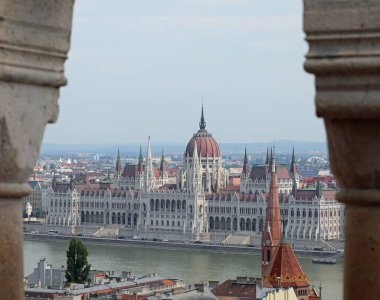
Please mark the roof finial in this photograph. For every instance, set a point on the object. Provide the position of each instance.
(202, 123)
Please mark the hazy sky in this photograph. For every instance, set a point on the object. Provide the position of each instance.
(139, 68)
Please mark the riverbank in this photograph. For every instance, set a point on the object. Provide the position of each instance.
(187, 245)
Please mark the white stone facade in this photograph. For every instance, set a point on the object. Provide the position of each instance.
(63, 208)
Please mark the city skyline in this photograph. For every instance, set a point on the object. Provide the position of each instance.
(158, 60)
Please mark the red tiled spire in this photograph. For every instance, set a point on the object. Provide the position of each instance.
(272, 228)
(285, 270)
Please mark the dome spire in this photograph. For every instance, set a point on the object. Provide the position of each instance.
(202, 123)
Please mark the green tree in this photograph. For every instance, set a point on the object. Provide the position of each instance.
(77, 264)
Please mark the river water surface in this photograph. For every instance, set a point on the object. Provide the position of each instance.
(192, 266)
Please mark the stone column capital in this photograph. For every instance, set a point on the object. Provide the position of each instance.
(344, 55)
(34, 41)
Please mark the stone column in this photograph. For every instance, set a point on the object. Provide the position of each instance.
(344, 55)
(34, 40)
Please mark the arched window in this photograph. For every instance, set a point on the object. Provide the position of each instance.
(268, 256)
(157, 205)
(261, 225)
(151, 205)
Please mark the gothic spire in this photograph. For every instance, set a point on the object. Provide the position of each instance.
(149, 151)
(118, 163)
(140, 166)
(294, 188)
(202, 123)
(267, 158)
(271, 155)
(162, 165)
(293, 166)
(245, 164)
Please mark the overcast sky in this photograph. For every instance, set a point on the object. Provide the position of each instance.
(139, 68)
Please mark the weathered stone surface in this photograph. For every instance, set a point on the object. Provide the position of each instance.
(344, 55)
(34, 40)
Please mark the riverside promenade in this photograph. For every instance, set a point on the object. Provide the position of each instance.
(182, 245)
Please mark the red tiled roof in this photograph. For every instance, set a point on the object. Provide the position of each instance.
(129, 171)
(232, 188)
(310, 194)
(230, 288)
(206, 145)
(261, 171)
(285, 269)
(133, 297)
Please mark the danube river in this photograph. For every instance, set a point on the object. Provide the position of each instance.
(192, 266)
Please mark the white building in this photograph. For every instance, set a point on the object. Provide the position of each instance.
(199, 204)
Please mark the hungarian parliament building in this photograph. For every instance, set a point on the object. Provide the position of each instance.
(141, 199)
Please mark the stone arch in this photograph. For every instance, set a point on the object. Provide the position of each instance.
(217, 223)
(82, 216)
(235, 224)
(248, 224)
(87, 217)
(123, 218)
(97, 217)
(261, 225)
(135, 219)
(151, 205)
(253, 224)
(211, 223)
(113, 218)
(162, 205)
(157, 206)
(228, 223)
(172, 209)
(92, 217)
(242, 224)
(223, 223)
(129, 218)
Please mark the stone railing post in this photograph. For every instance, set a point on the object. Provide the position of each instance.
(344, 55)
(34, 41)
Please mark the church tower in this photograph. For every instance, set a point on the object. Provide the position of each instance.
(118, 168)
(149, 172)
(244, 176)
(272, 228)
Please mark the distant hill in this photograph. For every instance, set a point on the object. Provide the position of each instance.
(132, 149)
